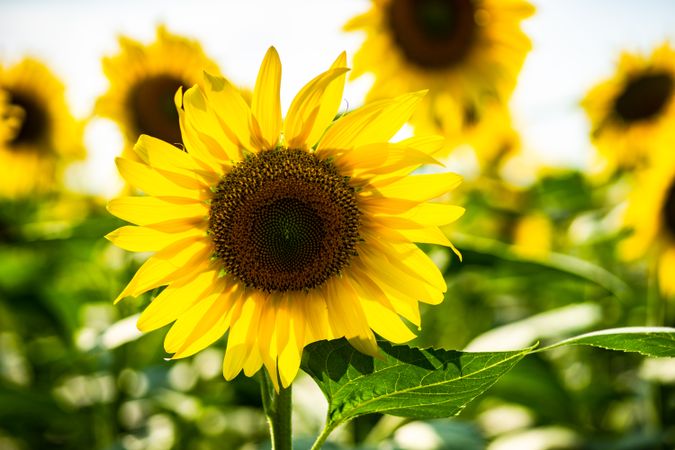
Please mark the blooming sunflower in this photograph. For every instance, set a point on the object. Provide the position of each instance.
(651, 216)
(37, 131)
(284, 232)
(143, 81)
(628, 111)
(466, 52)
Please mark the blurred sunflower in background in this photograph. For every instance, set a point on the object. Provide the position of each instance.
(651, 216)
(468, 53)
(143, 81)
(630, 110)
(38, 135)
(284, 231)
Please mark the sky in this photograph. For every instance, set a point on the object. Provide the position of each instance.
(575, 44)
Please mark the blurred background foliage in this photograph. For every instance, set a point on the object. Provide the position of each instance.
(76, 374)
(540, 263)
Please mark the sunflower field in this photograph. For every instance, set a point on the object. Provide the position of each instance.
(364, 224)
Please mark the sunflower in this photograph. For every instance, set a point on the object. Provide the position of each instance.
(628, 111)
(467, 52)
(284, 232)
(37, 132)
(651, 215)
(143, 81)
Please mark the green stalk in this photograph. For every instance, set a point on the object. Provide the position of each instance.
(277, 406)
(655, 301)
(655, 317)
(321, 439)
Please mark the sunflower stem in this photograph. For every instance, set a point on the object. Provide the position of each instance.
(277, 406)
(655, 318)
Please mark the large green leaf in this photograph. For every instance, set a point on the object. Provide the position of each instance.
(408, 382)
(649, 341)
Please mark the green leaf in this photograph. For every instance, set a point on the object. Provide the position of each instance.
(562, 263)
(648, 341)
(407, 382)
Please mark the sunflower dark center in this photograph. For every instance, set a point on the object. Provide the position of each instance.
(668, 211)
(152, 108)
(644, 97)
(34, 129)
(433, 34)
(284, 220)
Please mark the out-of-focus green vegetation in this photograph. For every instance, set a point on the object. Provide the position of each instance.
(76, 374)
(74, 371)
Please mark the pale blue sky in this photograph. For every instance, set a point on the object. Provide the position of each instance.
(576, 43)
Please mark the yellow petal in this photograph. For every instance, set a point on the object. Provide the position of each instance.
(429, 144)
(266, 344)
(383, 158)
(142, 239)
(171, 263)
(347, 317)
(305, 109)
(216, 142)
(151, 210)
(232, 110)
(430, 235)
(318, 327)
(290, 355)
(193, 323)
(208, 141)
(373, 123)
(159, 154)
(153, 182)
(203, 324)
(345, 131)
(273, 373)
(403, 304)
(283, 320)
(383, 320)
(375, 206)
(422, 216)
(330, 102)
(383, 270)
(434, 214)
(409, 258)
(267, 336)
(266, 104)
(242, 336)
(421, 187)
(175, 299)
(253, 363)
